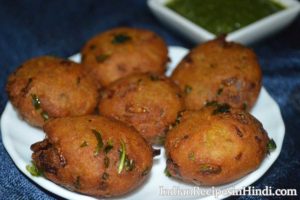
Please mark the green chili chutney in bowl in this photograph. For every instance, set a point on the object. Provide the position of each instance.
(243, 21)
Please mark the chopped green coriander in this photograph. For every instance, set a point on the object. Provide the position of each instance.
(45, 115)
(105, 176)
(33, 170)
(84, 144)
(121, 38)
(99, 140)
(245, 106)
(211, 103)
(77, 182)
(271, 146)
(101, 58)
(219, 92)
(106, 162)
(188, 89)
(122, 157)
(191, 156)
(161, 139)
(167, 173)
(154, 77)
(36, 101)
(146, 171)
(221, 108)
(108, 147)
(210, 169)
(129, 164)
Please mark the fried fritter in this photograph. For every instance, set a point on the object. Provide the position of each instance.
(48, 87)
(215, 145)
(93, 155)
(148, 102)
(122, 51)
(221, 71)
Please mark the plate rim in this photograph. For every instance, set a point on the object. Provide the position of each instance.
(18, 162)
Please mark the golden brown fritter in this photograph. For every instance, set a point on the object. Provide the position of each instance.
(221, 71)
(93, 155)
(48, 87)
(122, 51)
(148, 102)
(215, 145)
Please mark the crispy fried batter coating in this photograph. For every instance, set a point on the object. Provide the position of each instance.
(48, 87)
(221, 71)
(148, 102)
(122, 51)
(93, 155)
(215, 145)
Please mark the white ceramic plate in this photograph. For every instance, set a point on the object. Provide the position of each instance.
(17, 137)
(246, 35)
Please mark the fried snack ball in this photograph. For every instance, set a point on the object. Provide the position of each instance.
(215, 145)
(49, 87)
(122, 51)
(148, 102)
(93, 155)
(221, 71)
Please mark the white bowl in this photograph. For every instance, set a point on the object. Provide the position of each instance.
(246, 35)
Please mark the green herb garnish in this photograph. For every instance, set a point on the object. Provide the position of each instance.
(191, 156)
(211, 103)
(33, 170)
(108, 147)
(188, 89)
(146, 171)
(122, 157)
(210, 169)
(129, 164)
(45, 115)
(106, 162)
(77, 182)
(160, 140)
(84, 144)
(219, 92)
(245, 106)
(221, 108)
(99, 140)
(271, 146)
(154, 77)
(101, 58)
(121, 38)
(177, 121)
(36, 101)
(105, 176)
(167, 173)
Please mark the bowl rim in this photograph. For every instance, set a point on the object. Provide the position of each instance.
(291, 7)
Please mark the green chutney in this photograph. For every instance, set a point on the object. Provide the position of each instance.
(224, 16)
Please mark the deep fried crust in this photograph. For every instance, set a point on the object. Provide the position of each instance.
(122, 51)
(221, 71)
(71, 156)
(148, 102)
(48, 87)
(215, 145)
